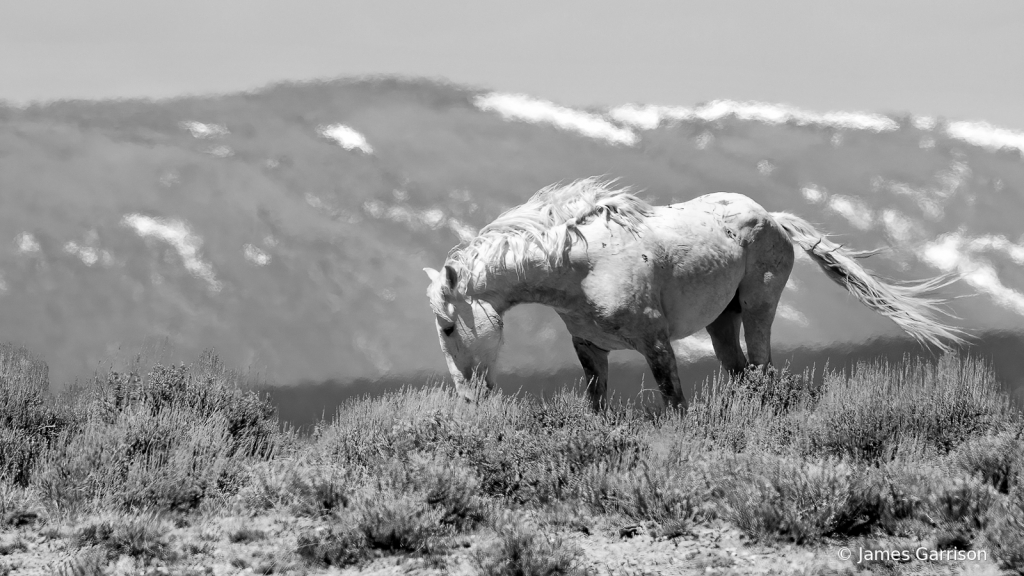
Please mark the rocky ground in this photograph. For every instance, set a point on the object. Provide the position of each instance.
(265, 545)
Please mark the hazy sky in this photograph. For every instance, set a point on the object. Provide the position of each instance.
(962, 59)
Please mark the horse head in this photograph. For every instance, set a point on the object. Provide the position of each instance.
(470, 332)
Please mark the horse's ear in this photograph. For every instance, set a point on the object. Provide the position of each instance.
(451, 277)
(431, 273)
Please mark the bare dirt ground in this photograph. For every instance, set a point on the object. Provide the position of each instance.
(207, 547)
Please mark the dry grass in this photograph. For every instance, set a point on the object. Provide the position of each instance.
(522, 550)
(915, 451)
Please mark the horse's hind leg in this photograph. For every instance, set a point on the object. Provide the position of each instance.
(595, 367)
(769, 262)
(757, 331)
(725, 337)
(662, 360)
(759, 297)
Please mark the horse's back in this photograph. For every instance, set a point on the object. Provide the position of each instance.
(738, 212)
(687, 261)
(710, 236)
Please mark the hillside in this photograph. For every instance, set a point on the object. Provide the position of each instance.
(287, 227)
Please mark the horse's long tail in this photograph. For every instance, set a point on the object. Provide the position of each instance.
(911, 306)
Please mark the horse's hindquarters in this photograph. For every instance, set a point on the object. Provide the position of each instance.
(704, 265)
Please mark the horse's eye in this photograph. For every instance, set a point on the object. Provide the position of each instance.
(449, 330)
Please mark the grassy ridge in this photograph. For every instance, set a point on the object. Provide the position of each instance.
(912, 452)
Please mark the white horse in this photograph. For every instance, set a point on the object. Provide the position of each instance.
(623, 274)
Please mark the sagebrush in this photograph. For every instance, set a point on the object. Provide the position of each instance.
(920, 451)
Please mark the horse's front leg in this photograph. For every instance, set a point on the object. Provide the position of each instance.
(595, 367)
(662, 360)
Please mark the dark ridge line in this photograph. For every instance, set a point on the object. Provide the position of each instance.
(302, 405)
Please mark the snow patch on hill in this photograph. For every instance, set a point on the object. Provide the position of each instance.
(181, 238)
(853, 210)
(200, 130)
(787, 312)
(986, 135)
(339, 214)
(27, 243)
(930, 207)
(900, 227)
(221, 151)
(415, 219)
(953, 178)
(418, 219)
(346, 137)
(955, 253)
(528, 109)
(812, 194)
(932, 198)
(649, 117)
(89, 255)
(86, 254)
(694, 347)
(254, 255)
(464, 231)
(925, 123)
(998, 244)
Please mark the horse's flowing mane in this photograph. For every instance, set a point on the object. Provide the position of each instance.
(548, 221)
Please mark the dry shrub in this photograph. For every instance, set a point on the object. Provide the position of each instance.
(882, 406)
(522, 550)
(172, 460)
(801, 501)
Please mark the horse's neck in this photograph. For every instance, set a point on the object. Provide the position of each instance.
(531, 283)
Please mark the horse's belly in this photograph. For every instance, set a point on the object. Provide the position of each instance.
(705, 278)
(692, 306)
(588, 329)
